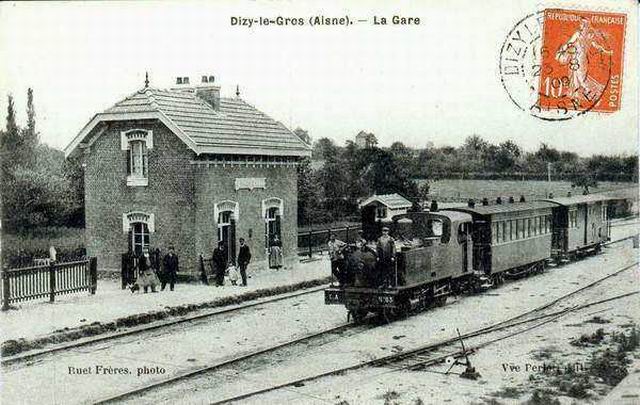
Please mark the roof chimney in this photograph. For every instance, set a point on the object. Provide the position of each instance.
(511, 200)
(434, 206)
(485, 201)
(208, 92)
(499, 200)
(471, 203)
(182, 80)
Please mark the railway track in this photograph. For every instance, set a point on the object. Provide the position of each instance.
(31, 355)
(431, 354)
(337, 330)
(419, 353)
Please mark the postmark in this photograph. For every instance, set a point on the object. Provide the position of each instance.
(558, 64)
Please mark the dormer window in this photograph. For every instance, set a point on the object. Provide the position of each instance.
(136, 143)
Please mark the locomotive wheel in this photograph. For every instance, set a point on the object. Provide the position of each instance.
(359, 315)
(440, 301)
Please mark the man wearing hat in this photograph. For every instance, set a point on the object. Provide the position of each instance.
(170, 269)
(335, 254)
(386, 249)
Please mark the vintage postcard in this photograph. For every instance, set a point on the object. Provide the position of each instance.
(302, 202)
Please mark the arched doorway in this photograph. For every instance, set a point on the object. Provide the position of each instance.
(272, 213)
(226, 217)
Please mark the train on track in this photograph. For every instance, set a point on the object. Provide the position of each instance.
(466, 249)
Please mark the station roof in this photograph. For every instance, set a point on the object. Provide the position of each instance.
(505, 207)
(235, 127)
(393, 201)
(580, 199)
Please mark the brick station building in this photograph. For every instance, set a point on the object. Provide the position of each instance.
(188, 168)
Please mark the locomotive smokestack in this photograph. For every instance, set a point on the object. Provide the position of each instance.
(434, 206)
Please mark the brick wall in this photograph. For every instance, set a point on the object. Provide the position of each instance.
(217, 183)
(182, 198)
(169, 195)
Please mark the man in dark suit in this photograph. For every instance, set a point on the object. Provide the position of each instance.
(219, 262)
(244, 257)
(170, 269)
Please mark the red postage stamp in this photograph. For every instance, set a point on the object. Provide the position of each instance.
(582, 58)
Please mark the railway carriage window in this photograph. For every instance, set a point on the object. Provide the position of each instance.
(496, 232)
(504, 231)
(535, 226)
(528, 227)
(512, 229)
(547, 224)
(518, 228)
(522, 229)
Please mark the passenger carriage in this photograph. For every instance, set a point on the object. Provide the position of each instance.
(580, 224)
(510, 238)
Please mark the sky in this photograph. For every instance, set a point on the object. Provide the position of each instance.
(437, 82)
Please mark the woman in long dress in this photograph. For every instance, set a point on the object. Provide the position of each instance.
(275, 253)
(147, 277)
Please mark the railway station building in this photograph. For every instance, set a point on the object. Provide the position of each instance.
(185, 167)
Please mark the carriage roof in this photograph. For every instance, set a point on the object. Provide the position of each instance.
(580, 199)
(505, 207)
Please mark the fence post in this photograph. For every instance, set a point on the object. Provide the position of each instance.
(93, 271)
(5, 290)
(52, 282)
(310, 249)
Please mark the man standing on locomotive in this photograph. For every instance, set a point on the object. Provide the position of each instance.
(335, 254)
(386, 249)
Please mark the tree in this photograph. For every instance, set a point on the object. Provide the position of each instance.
(303, 135)
(507, 156)
(30, 136)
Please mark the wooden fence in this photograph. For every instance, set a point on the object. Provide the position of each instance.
(29, 283)
(316, 240)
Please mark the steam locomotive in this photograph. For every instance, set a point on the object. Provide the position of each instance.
(465, 249)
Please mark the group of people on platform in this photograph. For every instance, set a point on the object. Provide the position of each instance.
(222, 262)
(384, 254)
(221, 265)
(149, 270)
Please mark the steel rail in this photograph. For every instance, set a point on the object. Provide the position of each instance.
(156, 325)
(416, 352)
(488, 329)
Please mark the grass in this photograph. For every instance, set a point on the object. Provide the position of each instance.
(508, 392)
(586, 340)
(606, 365)
(461, 190)
(19, 249)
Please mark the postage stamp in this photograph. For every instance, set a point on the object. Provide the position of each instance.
(582, 56)
(558, 64)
